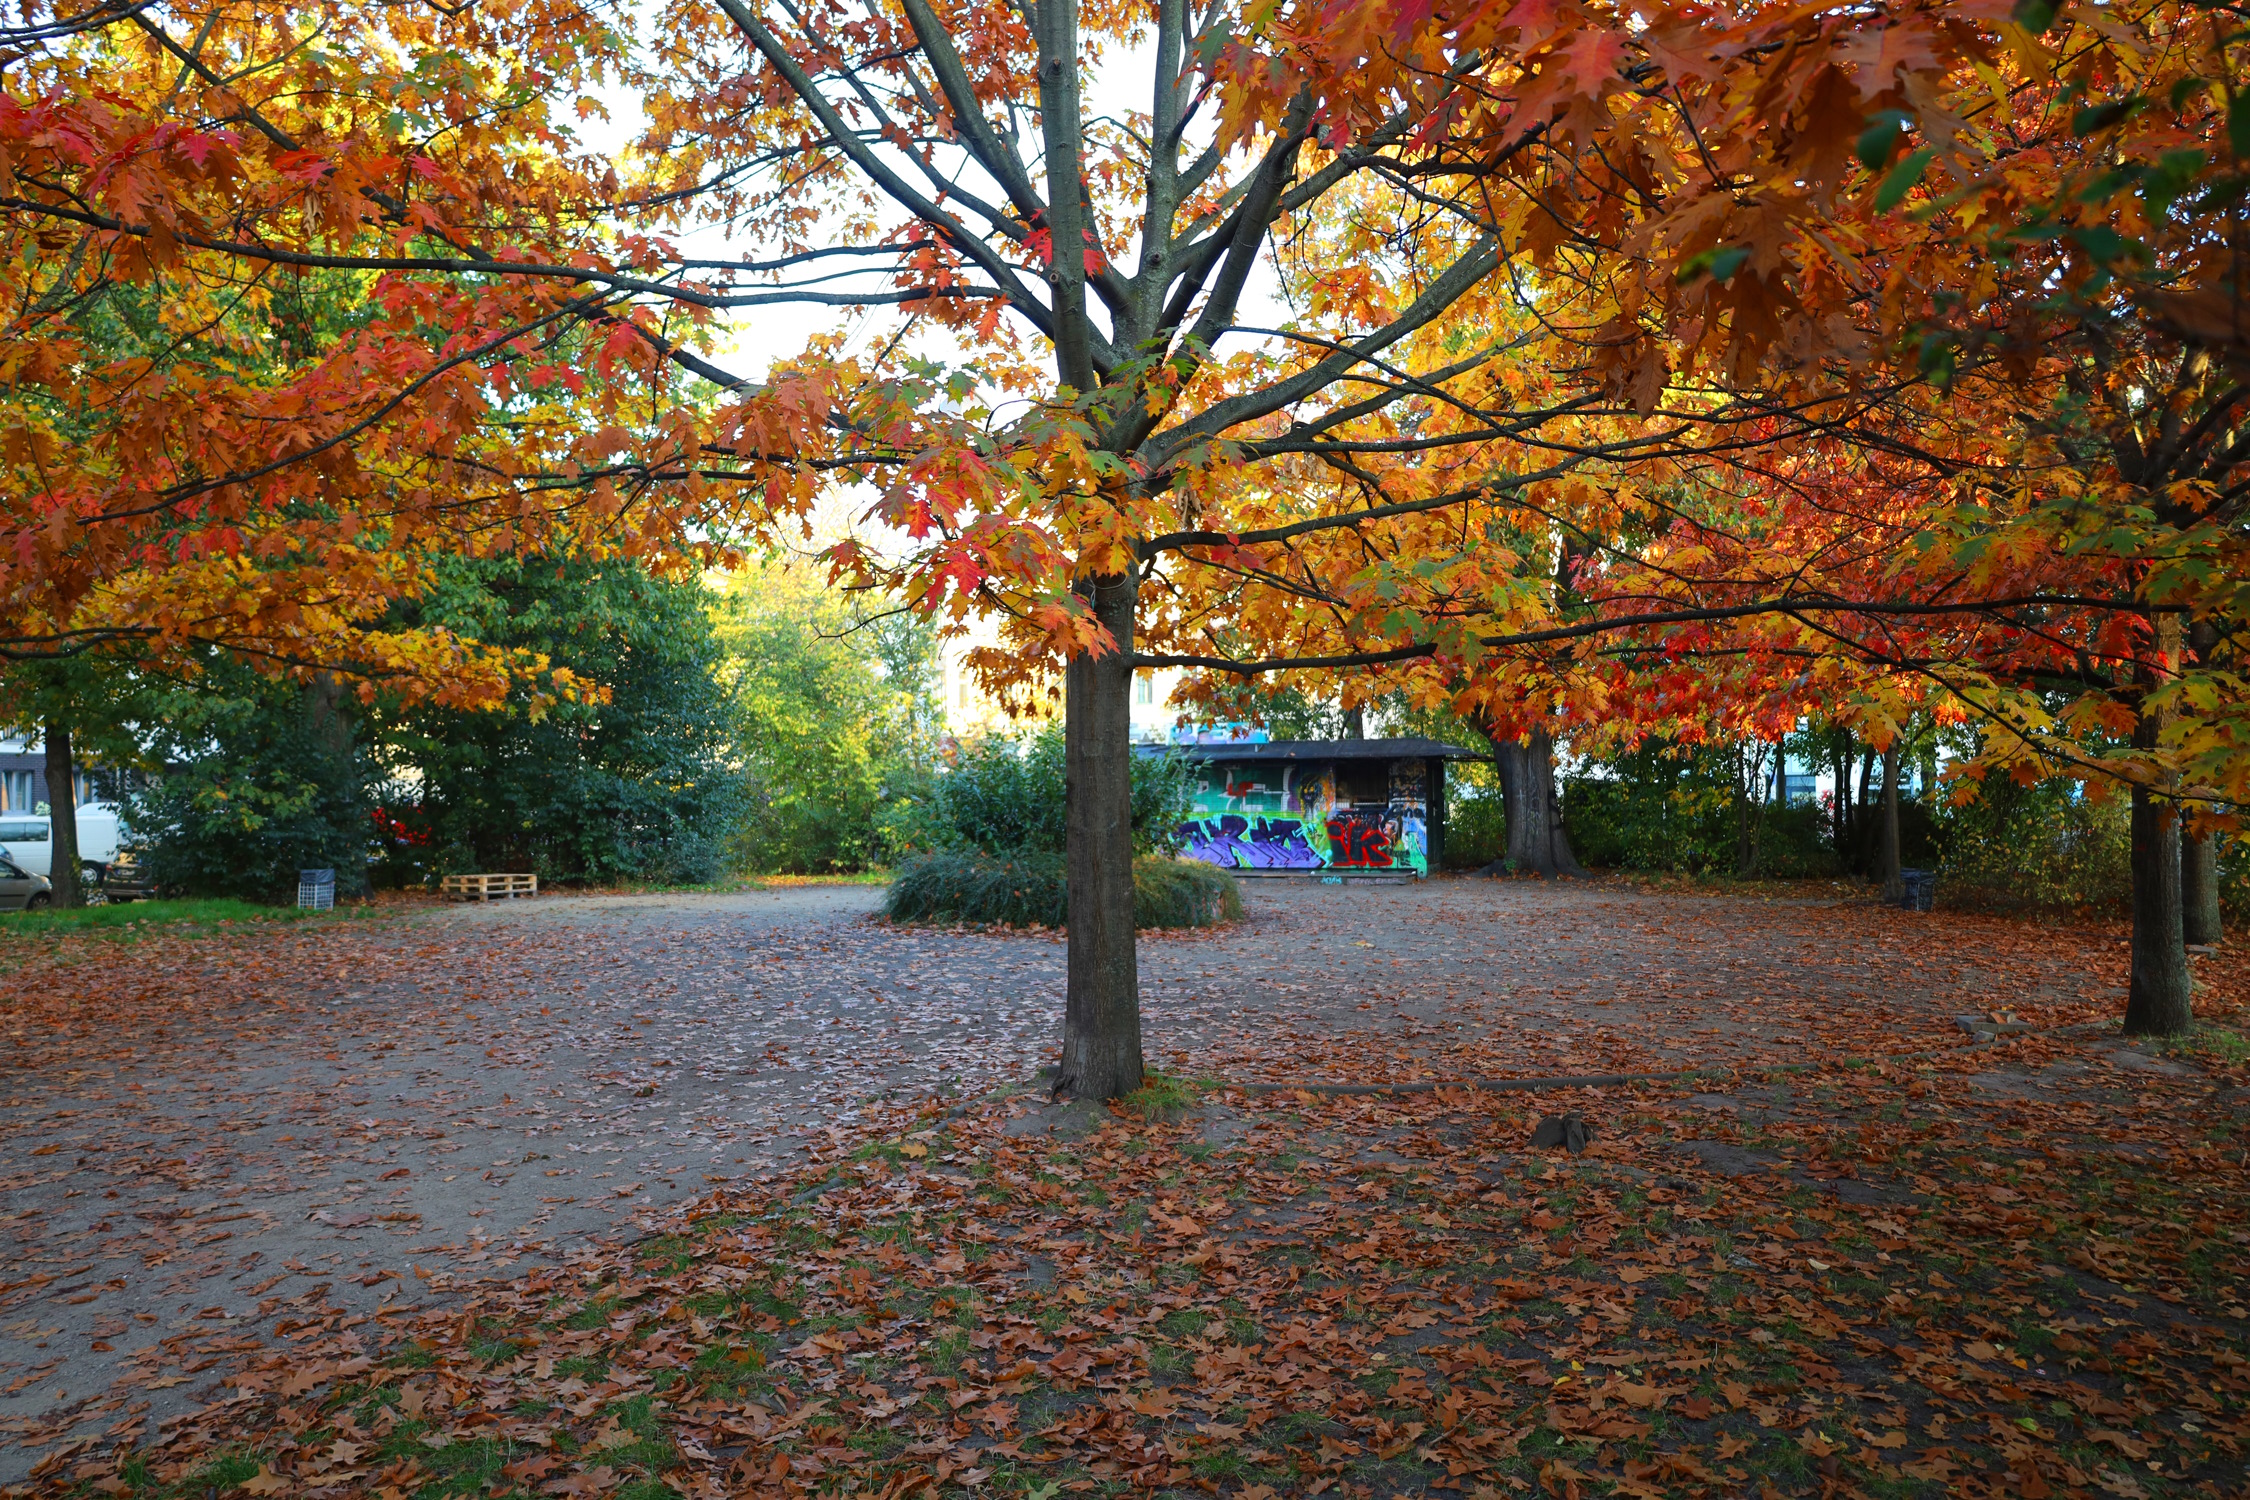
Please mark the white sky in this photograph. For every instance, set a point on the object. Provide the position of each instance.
(1118, 87)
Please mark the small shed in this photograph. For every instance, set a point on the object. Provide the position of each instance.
(1320, 807)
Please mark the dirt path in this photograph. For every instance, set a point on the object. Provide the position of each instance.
(205, 1141)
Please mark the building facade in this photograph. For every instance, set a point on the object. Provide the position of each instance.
(23, 777)
(1320, 807)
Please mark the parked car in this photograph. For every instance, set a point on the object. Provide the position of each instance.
(19, 888)
(27, 840)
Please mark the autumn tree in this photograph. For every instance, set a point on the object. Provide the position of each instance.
(1262, 369)
(2004, 241)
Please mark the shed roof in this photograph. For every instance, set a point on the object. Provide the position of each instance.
(1413, 747)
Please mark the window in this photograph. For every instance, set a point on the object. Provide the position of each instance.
(15, 792)
(1144, 687)
(1363, 783)
(23, 833)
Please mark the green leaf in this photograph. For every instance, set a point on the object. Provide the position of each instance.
(2175, 173)
(1936, 357)
(1900, 180)
(2035, 16)
(2182, 87)
(2094, 118)
(1880, 138)
(2101, 242)
(1209, 45)
(1720, 262)
(2238, 124)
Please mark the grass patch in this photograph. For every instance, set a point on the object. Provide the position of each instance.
(1161, 1096)
(132, 920)
(2212, 1042)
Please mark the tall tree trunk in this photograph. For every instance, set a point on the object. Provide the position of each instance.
(2159, 1000)
(1839, 811)
(2200, 921)
(1101, 1051)
(1863, 833)
(1894, 884)
(62, 810)
(1537, 844)
(1749, 807)
(1355, 723)
(329, 717)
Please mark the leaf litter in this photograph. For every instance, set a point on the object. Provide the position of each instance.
(1921, 1264)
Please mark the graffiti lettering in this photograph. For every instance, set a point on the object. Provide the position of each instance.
(1239, 844)
(1355, 845)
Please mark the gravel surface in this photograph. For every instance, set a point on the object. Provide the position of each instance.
(203, 1141)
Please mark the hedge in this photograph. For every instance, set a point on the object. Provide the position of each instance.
(1032, 889)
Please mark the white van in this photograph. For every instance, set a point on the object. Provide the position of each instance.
(27, 840)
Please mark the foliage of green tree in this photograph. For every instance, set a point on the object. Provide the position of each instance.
(1675, 808)
(260, 779)
(1006, 797)
(836, 717)
(638, 784)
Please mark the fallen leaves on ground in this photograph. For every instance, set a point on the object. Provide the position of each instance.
(1886, 1277)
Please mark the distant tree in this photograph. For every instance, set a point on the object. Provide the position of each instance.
(639, 780)
(835, 715)
(260, 779)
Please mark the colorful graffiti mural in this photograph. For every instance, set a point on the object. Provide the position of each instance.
(1318, 815)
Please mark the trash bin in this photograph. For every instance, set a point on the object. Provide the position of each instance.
(316, 889)
(1918, 890)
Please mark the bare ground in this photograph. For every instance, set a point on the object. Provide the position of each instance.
(205, 1141)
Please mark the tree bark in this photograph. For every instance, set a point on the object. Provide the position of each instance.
(1537, 844)
(1749, 808)
(62, 816)
(1840, 805)
(329, 717)
(1101, 1052)
(1355, 723)
(1894, 884)
(2159, 1001)
(2200, 920)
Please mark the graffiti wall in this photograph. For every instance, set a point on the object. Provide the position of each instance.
(1311, 815)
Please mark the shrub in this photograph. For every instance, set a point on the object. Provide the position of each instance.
(1476, 816)
(1033, 889)
(262, 780)
(2044, 845)
(1006, 798)
(1652, 809)
(1183, 893)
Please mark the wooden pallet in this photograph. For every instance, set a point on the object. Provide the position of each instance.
(489, 887)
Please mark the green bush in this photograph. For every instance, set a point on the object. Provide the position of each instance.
(1183, 893)
(1032, 888)
(1003, 798)
(2044, 845)
(1653, 809)
(262, 779)
(1476, 815)
(1793, 841)
(1006, 798)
